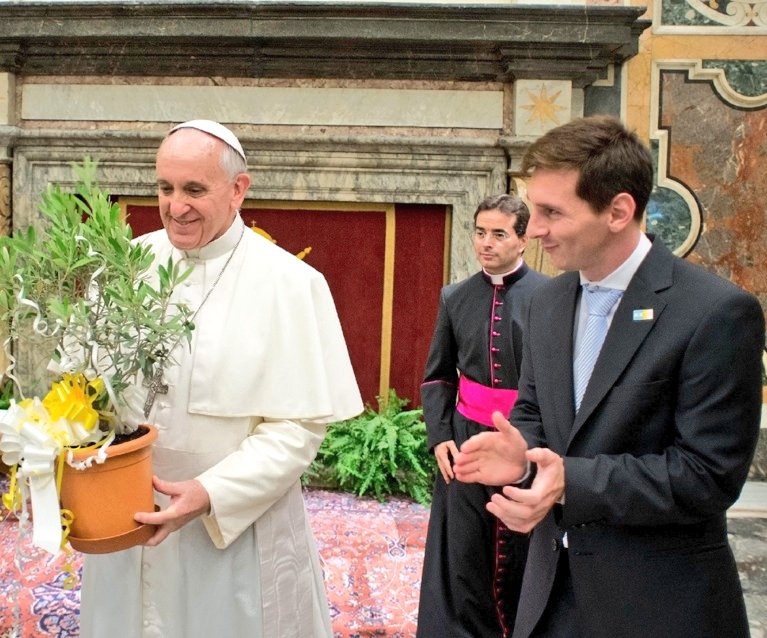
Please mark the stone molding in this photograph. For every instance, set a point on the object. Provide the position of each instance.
(371, 41)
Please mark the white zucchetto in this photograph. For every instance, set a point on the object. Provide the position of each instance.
(216, 130)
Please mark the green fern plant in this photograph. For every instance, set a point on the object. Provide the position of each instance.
(378, 453)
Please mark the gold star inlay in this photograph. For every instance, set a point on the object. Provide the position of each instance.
(543, 107)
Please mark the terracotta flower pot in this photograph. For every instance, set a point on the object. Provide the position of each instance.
(104, 497)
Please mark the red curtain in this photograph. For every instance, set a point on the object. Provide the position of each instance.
(419, 268)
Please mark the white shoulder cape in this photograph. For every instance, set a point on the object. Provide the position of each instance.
(272, 342)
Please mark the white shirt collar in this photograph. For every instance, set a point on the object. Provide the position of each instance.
(620, 277)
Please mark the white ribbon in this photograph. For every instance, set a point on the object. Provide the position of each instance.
(99, 457)
(39, 325)
(25, 444)
(30, 441)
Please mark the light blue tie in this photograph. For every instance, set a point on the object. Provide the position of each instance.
(599, 302)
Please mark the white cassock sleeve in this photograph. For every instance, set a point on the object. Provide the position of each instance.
(249, 481)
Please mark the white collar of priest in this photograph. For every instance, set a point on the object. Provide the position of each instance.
(503, 280)
(219, 246)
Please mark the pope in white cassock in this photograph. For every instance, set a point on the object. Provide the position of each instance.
(240, 416)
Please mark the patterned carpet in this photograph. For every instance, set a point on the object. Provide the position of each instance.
(371, 553)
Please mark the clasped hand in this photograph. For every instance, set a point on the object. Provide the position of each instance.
(188, 500)
(500, 458)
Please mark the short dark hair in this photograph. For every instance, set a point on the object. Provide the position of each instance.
(610, 159)
(508, 205)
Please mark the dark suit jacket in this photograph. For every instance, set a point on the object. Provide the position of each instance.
(658, 451)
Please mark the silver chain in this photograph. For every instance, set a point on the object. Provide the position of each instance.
(215, 282)
(155, 384)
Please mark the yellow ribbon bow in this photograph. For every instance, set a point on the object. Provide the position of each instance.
(72, 399)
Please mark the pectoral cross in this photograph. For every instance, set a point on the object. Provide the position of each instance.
(156, 386)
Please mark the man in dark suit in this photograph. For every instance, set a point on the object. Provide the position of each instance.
(624, 488)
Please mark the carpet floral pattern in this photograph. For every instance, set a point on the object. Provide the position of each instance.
(371, 554)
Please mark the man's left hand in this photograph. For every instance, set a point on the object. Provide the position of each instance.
(522, 509)
(188, 500)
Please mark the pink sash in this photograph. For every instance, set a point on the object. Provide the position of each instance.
(477, 402)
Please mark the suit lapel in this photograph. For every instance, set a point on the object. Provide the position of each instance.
(560, 341)
(627, 330)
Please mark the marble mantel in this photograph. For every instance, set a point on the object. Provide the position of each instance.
(324, 40)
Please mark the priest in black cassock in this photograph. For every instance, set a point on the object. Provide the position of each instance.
(473, 564)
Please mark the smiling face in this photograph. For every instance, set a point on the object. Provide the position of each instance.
(198, 199)
(496, 243)
(575, 236)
